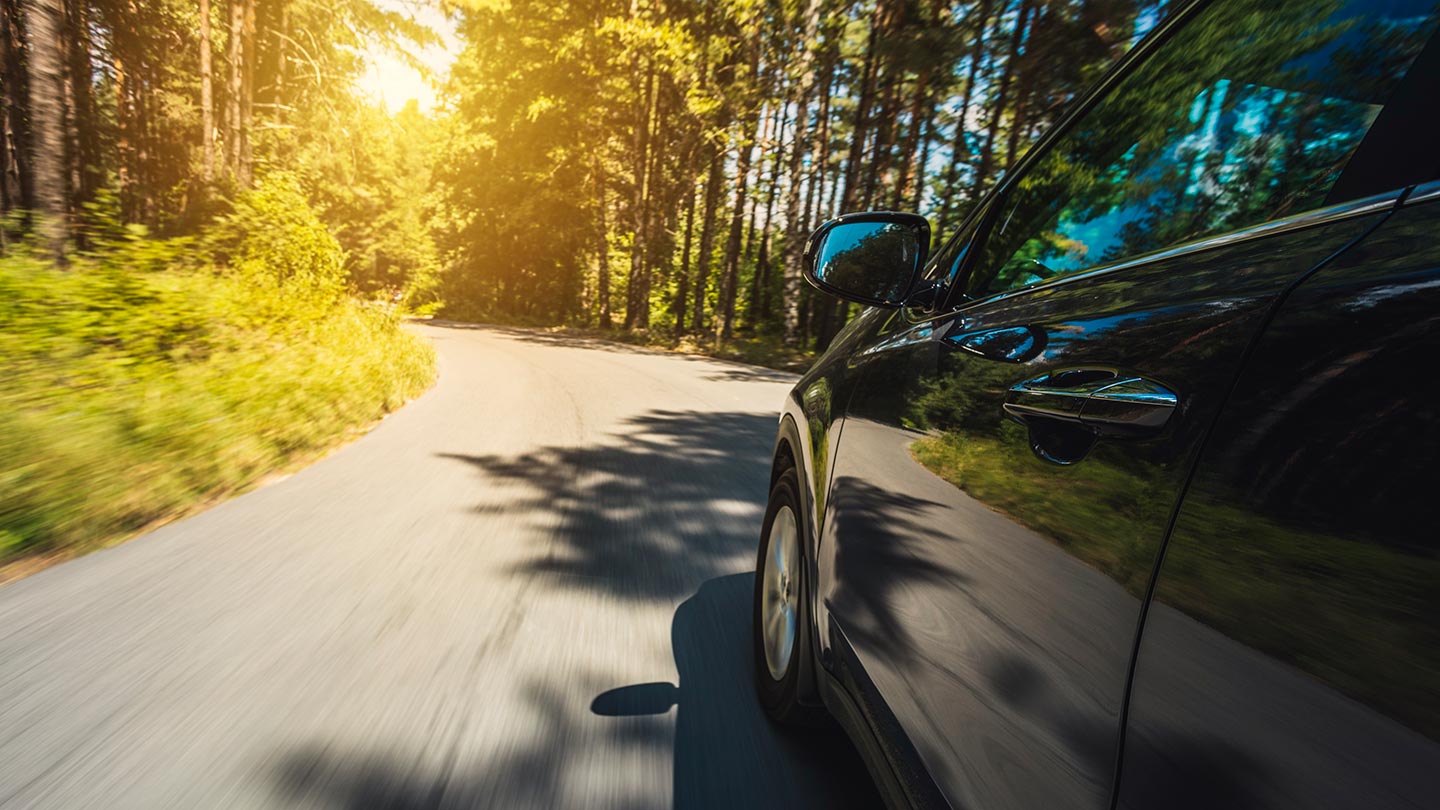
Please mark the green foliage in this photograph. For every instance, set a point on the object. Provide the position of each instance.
(133, 393)
(154, 373)
(275, 239)
(609, 159)
(369, 176)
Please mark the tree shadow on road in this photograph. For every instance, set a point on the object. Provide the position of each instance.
(673, 499)
(725, 752)
(533, 770)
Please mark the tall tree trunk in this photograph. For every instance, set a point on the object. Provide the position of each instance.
(817, 205)
(794, 228)
(282, 62)
(7, 81)
(124, 153)
(860, 134)
(713, 184)
(880, 170)
(659, 209)
(637, 302)
(18, 185)
(207, 101)
(730, 281)
(47, 118)
(911, 175)
(234, 59)
(603, 271)
(1020, 120)
(960, 147)
(880, 167)
(145, 164)
(768, 123)
(246, 165)
(759, 310)
(682, 292)
(87, 141)
(987, 152)
(70, 118)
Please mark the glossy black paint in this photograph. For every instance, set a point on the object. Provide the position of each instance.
(1291, 657)
(1151, 535)
(984, 589)
(870, 258)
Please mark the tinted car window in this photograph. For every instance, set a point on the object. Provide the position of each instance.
(1247, 114)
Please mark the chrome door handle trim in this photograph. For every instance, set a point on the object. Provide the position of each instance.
(1106, 400)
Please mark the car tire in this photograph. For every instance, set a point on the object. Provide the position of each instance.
(781, 608)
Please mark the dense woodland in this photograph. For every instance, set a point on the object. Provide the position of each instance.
(156, 113)
(198, 203)
(656, 164)
(647, 165)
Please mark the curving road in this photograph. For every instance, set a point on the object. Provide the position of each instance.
(529, 588)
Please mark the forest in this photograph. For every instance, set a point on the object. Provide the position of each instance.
(156, 113)
(640, 165)
(656, 166)
(200, 212)
(211, 232)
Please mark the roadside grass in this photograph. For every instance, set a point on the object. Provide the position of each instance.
(1344, 611)
(136, 388)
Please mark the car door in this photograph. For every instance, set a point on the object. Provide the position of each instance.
(1291, 656)
(1010, 464)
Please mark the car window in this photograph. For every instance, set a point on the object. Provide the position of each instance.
(943, 266)
(1247, 114)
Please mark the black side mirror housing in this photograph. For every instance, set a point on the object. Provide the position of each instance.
(872, 258)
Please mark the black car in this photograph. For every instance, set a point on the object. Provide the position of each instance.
(1121, 498)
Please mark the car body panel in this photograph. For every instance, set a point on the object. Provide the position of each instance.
(995, 625)
(1290, 657)
(982, 567)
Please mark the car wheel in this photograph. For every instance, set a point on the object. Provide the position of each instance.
(781, 623)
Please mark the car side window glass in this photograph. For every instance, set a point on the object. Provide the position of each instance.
(1248, 113)
(944, 266)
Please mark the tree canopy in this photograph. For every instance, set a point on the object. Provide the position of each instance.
(651, 165)
(657, 164)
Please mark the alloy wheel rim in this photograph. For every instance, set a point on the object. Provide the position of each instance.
(780, 594)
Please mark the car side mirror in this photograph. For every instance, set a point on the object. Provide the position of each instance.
(871, 258)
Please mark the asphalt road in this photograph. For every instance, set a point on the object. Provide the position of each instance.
(529, 588)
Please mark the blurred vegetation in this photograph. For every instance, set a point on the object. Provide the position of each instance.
(163, 113)
(208, 240)
(145, 379)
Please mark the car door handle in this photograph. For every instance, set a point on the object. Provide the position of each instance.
(1108, 401)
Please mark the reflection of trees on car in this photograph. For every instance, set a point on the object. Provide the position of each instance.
(1260, 131)
(866, 266)
(1263, 552)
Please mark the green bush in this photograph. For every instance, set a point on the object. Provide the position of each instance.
(273, 237)
(132, 393)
